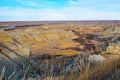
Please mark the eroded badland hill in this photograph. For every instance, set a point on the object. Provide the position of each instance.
(43, 42)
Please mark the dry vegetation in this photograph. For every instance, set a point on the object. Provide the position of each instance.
(61, 51)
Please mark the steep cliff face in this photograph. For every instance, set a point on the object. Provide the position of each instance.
(12, 54)
(8, 42)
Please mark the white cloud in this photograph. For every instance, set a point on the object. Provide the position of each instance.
(73, 2)
(67, 13)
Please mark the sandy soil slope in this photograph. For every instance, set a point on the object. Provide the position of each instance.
(58, 40)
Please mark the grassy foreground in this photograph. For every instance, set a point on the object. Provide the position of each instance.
(79, 67)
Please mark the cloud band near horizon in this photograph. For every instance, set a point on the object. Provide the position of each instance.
(39, 10)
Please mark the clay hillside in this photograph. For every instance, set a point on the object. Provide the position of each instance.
(61, 43)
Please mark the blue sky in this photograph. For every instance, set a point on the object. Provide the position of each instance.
(39, 10)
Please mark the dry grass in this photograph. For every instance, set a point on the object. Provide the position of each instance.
(82, 69)
(78, 67)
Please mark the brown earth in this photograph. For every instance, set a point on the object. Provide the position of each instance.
(59, 41)
(55, 40)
